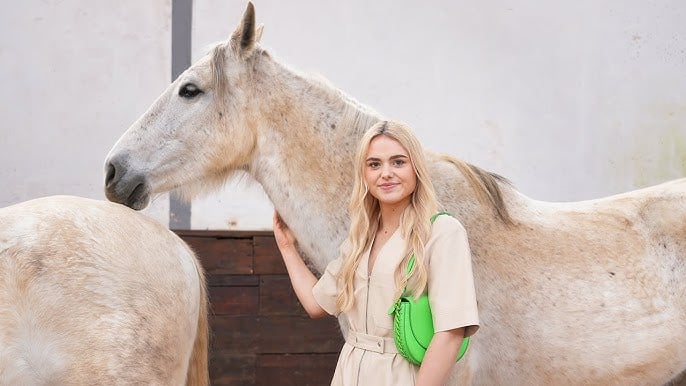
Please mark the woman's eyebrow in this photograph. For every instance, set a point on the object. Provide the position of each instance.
(392, 157)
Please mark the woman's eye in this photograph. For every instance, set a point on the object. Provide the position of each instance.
(189, 90)
(373, 165)
(398, 162)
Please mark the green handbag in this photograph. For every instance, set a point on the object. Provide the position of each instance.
(413, 326)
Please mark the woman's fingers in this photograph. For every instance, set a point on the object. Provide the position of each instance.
(278, 221)
(281, 232)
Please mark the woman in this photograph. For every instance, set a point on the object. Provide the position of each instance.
(392, 202)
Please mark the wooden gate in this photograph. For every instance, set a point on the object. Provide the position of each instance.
(260, 335)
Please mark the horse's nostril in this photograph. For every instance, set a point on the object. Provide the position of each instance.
(111, 171)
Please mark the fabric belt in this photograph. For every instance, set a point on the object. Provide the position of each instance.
(372, 343)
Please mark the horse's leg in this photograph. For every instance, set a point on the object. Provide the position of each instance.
(198, 370)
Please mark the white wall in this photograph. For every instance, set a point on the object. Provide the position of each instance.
(570, 100)
(75, 74)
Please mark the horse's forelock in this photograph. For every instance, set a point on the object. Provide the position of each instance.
(218, 63)
(219, 72)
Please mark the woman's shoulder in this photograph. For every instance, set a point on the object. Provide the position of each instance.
(446, 224)
(448, 236)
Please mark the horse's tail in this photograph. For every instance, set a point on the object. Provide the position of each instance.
(198, 371)
(485, 185)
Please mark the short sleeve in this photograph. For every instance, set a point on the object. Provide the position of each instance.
(451, 282)
(325, 291)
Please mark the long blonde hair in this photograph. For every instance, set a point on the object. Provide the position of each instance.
(365, 213)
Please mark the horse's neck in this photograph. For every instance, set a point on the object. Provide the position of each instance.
(304, 159)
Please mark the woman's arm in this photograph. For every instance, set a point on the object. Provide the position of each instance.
(452, 297)
(302, 279)
(440, 357)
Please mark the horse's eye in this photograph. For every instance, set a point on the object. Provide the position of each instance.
(189, 90)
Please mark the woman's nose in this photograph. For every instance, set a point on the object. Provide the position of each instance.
(386, 171)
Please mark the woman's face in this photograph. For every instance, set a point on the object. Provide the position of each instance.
(389, 172)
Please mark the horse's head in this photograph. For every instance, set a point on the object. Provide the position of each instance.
(198, 132)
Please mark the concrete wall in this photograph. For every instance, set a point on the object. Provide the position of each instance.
(75, 74)
(569, 100)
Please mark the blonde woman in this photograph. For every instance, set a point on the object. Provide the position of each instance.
(392, 202)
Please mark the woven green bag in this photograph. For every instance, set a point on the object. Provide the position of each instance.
(413, 326)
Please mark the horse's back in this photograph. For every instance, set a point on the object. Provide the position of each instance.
(609, 268)
(93, 293)
(658, 212)
(663, 209)
(632, 251)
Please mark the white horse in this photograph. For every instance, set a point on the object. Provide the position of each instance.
(94, 293)
(584, 293)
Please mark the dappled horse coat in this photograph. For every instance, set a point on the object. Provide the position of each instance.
(93, 293)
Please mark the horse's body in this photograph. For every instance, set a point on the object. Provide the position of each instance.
(93, 293)
(578, 293)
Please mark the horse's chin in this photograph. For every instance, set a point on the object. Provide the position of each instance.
(137, 199)
(139, 205)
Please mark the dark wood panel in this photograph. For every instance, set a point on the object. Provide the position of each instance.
(261, 335)
(233, 280)
(235, 334)
(221, 234)
(276, 334)
(306, 335)
(228, 369)
(234, 300)
(295, 370)
(267, 256)
(223, 256)
(277, 296)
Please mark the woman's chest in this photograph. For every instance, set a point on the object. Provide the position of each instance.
(375, 289)
(381, 259)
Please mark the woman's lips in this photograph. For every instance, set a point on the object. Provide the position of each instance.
(387, 186)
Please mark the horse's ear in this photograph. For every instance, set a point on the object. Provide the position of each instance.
(258, 32)
(245, 36)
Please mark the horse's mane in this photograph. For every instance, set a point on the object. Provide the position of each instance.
(486, 186)
(358, 117)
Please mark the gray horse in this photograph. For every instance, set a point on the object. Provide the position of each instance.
(588, 293)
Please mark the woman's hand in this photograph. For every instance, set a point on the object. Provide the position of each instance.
(283, 235)
(302, 278)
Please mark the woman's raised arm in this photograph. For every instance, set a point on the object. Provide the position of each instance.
(302, 279)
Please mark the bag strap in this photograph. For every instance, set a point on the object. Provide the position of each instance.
(465, 340)
(410, 262)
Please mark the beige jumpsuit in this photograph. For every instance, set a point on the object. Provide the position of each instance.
(369, 356)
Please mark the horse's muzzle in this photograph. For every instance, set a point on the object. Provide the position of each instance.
(124, 186)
